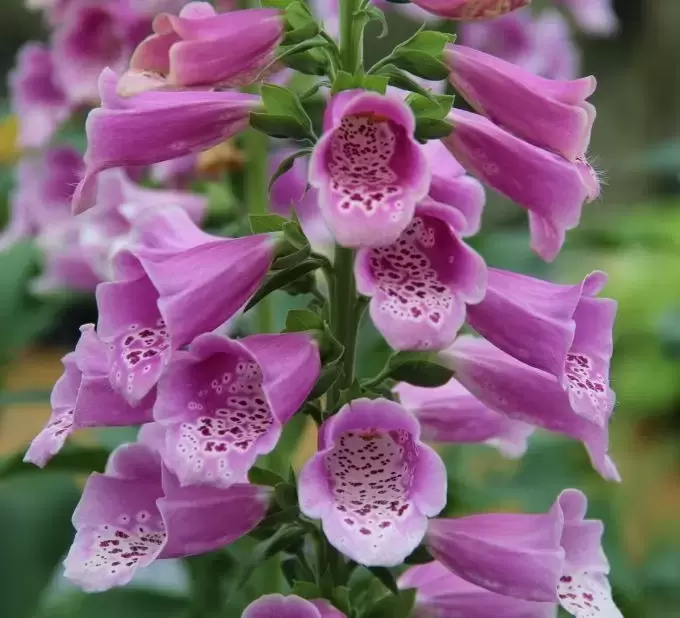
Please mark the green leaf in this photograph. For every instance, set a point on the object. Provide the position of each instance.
(419, 555)
(386, 578)
(421, 64)
(281, 127)
(72, 458)
(303, 33)
(434, 106)
(280, 101)
(373, 13)
(287, 164)
(416, 368)
(294, 234)
(283, 278)
(341, 599)
(299, 320)
(277, 4)
(306, 590)
(286, 495)
(429, 42)
(393, 606)
(291, 259)
(377, 83)
(262, 476)
(329, 376)
(345, 81)
(397, 78)
(431, 128)
(263, 224)
(309, 62)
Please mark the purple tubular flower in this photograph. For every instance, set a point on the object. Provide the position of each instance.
(373, 483)
(203, 48)
(526, 394)
(441, 594)
(169, 280)
(470, 9)
(551, 188)
(550, 114)
(451, 414)
(136, 513)
(175, 173)
(561, 329)
(37, 96)
(595, 17)
(369, 170)
(153, 127)
(90, 38)
(224, 402)
(83, 397)
(289, 191)
(278, 606)
(420, 285)
(451, 186)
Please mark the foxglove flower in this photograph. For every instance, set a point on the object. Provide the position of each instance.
(289, 191)
(551, 114)
(470, 9)
(224, 402)
(83, 397)
(189, 50)
(169, 280)
(452, 186)
(551, 188)
(442, 594)
(153, 127)
(420, 285)
(451, 414)
(175, 173)
(524, 393)
(42, 194)
(91, 37)
(136, 513)
(561, 329)
(278, 606)
(369, 170)
(37, 96)
(373, 483)
(596, 17)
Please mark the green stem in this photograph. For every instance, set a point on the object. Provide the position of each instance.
(351, 36)
(257, 199)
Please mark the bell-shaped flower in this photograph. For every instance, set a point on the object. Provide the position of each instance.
(441, 593)
(136, 513)
(470, 9)
(291, 192)
(547, 113)
(595, 17)
(91, 37)
(278, 606)
(37, 96)
(224, 402)
(155, 126)
(561, 329)
(203, 48)
(373, 483)
(452, 186)
(420, 284)
(551, 188)
(527, 394)
(83, 397)
(175, 282)
(451, 414)
(368, 168)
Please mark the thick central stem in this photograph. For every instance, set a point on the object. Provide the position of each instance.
(351, 36)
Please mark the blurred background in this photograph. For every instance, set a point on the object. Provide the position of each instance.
(632, 232)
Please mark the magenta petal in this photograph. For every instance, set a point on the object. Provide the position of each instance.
(470, 9)
(515, 555)
(373, 484)
(278, 606)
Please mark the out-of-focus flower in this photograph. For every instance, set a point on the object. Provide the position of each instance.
(470, 9)
(293, 606)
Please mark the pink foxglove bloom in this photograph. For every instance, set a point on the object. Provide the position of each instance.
(373, 483)
(290, 192)
(42, 193)
(420, 285)
(154, 7)
(278, 606)
(561, 329)
(470, 9)
(527, 394)
(596, 17)
(548, 113)
(451, 414)
(136, 513)
(551, 188)
(175, 173)
(91, 37)
(155, 126)
(37, 96)
(441, 593)
(203, 48)
(368, 168)
(83, 397)
(175, 283)
(224, 402)
(453, 187)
